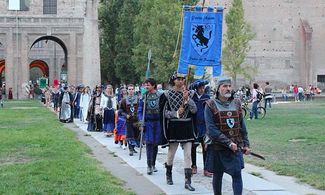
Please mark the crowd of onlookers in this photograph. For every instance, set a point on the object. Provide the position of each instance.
(263, 96)
(301, 94)
(293, 92)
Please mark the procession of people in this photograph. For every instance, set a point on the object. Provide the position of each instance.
(183, 114)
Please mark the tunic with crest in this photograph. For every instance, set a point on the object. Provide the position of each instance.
(225, 124)
(129, 106)
(151, 118)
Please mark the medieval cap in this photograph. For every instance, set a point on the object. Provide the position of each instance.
(173, 77)
(223, 80)
(198, 83)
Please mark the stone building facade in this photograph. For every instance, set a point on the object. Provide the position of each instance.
(54, 35)
(290, 40)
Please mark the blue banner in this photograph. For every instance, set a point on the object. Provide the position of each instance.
(199, 71)
(201, 41)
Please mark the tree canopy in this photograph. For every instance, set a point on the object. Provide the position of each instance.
(129, 28)
(236, 42)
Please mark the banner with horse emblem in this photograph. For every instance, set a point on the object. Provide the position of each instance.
(201, 41)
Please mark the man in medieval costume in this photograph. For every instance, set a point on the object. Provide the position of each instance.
(177, 120)
(226, 137)
(149, 106)
(200, 98)
(94, 116)
(65, 104)
(76, 101)
(108, 106)
(129, 109)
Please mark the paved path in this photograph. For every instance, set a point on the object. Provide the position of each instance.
(252, 184)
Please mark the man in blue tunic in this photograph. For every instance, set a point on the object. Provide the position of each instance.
(151, 122)
(227, 137)
(200, 98)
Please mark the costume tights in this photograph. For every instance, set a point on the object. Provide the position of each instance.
(152, 151)
(186, 150)
(193, 153)
(237, 183)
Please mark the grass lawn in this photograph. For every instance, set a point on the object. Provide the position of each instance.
(292, 138)
(39, 156)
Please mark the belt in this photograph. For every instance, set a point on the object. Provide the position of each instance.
(180, 119)
(218, 147)
(147, 120)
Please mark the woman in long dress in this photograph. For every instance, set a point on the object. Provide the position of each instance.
(65, 104)
(94, 116)
(84, 104)
(108, 107)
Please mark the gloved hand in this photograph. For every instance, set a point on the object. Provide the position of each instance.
(141, 123)
(141, 128)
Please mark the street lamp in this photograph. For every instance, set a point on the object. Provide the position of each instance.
(63, 74)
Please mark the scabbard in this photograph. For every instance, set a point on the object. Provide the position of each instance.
(254, 154)
(257, 155)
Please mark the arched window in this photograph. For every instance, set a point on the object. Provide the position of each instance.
(50, 6)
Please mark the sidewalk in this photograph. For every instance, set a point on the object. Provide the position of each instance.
(252, 184)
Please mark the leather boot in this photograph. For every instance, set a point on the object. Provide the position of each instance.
(169, 174)
(130, 151)
(154, 169)
(188, 175)
(149, 168)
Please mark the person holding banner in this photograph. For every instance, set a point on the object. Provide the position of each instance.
(177, 117)
(151, 122)
(226, 137)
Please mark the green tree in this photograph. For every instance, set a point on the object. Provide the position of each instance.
(129, 28)
(156, 28)
(236, 41)
(108, 14)
(124, 42)
(142, 38)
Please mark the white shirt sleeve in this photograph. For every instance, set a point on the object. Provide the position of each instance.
(102, 102)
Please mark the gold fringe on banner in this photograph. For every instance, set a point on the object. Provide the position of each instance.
(179, 34)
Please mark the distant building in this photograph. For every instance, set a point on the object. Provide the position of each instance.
(289, 46)
(57, 39)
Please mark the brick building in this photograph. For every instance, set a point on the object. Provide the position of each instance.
(289, 44)
(58, 38)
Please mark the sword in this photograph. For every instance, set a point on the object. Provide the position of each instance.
(254, 154)
(243, 151)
